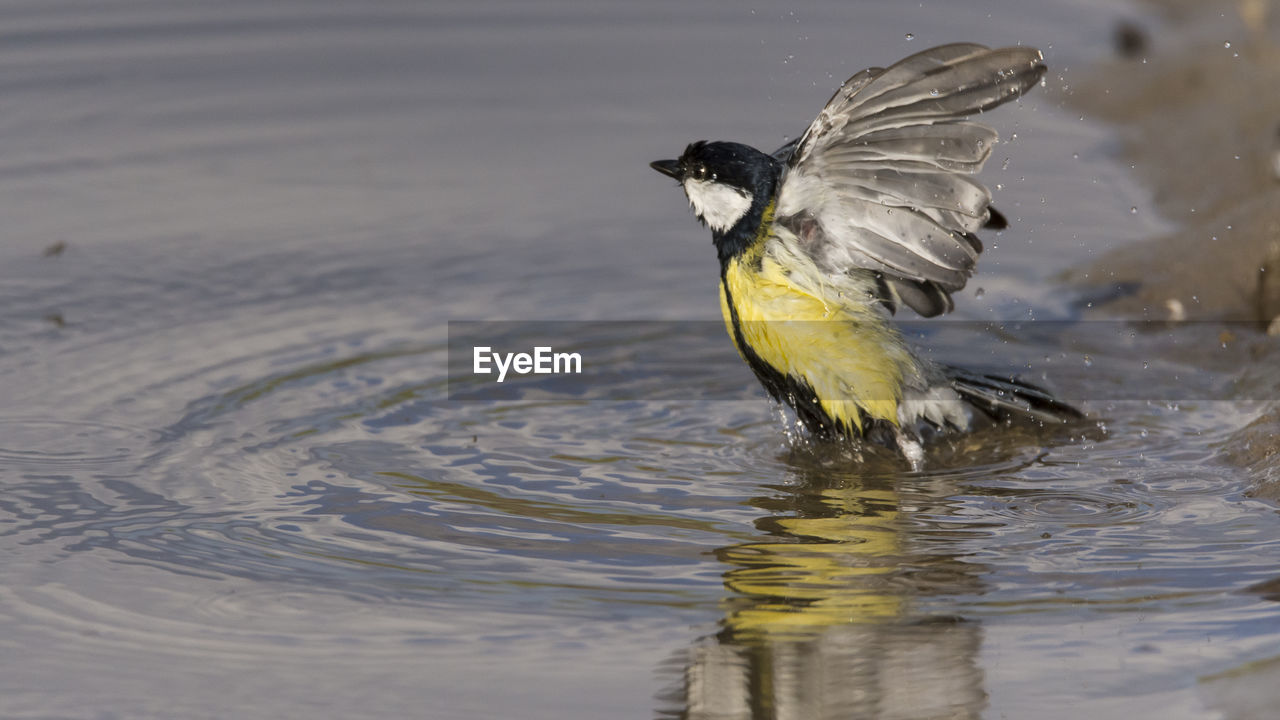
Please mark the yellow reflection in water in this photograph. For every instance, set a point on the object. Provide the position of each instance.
(820, 571)
(822, 620)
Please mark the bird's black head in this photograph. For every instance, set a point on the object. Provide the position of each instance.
(725, 182)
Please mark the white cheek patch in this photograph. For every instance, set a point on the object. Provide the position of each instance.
(719, 205)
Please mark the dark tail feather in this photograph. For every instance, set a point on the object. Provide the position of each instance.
(995, 221)
(1005, 398)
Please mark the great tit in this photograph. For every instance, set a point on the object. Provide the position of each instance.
(875, 206)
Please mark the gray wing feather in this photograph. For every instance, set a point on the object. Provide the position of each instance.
(881, 180)
(954, 146)
(930, 251)
(914, 188)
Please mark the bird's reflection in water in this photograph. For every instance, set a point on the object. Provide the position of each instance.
(828, 614)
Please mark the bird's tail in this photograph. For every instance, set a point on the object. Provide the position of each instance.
(1008, 398)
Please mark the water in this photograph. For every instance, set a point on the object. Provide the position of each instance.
(235, 484)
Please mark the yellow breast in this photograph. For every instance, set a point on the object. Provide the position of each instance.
(848, 354)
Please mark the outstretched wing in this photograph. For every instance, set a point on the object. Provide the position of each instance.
(882, 179)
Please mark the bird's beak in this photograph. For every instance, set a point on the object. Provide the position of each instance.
(670, 168)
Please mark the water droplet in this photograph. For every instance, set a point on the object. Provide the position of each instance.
(1227, 44)
(1005, 165)
(910, 37)
(979, 292)
(1075, 156)
(934, 92)
(1145, 364)
(1133, 210)
(788, 59)
(1088, 361)
(1143, 433)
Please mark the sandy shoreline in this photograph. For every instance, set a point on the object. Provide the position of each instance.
(1201, 127)
(1196, 101)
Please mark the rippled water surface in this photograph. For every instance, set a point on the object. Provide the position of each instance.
(235, 484)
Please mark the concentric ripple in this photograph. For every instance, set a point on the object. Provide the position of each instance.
(39, 444)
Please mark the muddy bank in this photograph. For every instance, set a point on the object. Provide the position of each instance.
(1193, 90)
(1196, 101)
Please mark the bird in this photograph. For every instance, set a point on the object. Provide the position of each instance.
(874, 207)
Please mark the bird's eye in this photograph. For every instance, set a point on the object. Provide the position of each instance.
(701, 172)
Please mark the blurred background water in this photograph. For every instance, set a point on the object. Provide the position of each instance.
(234, 484)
